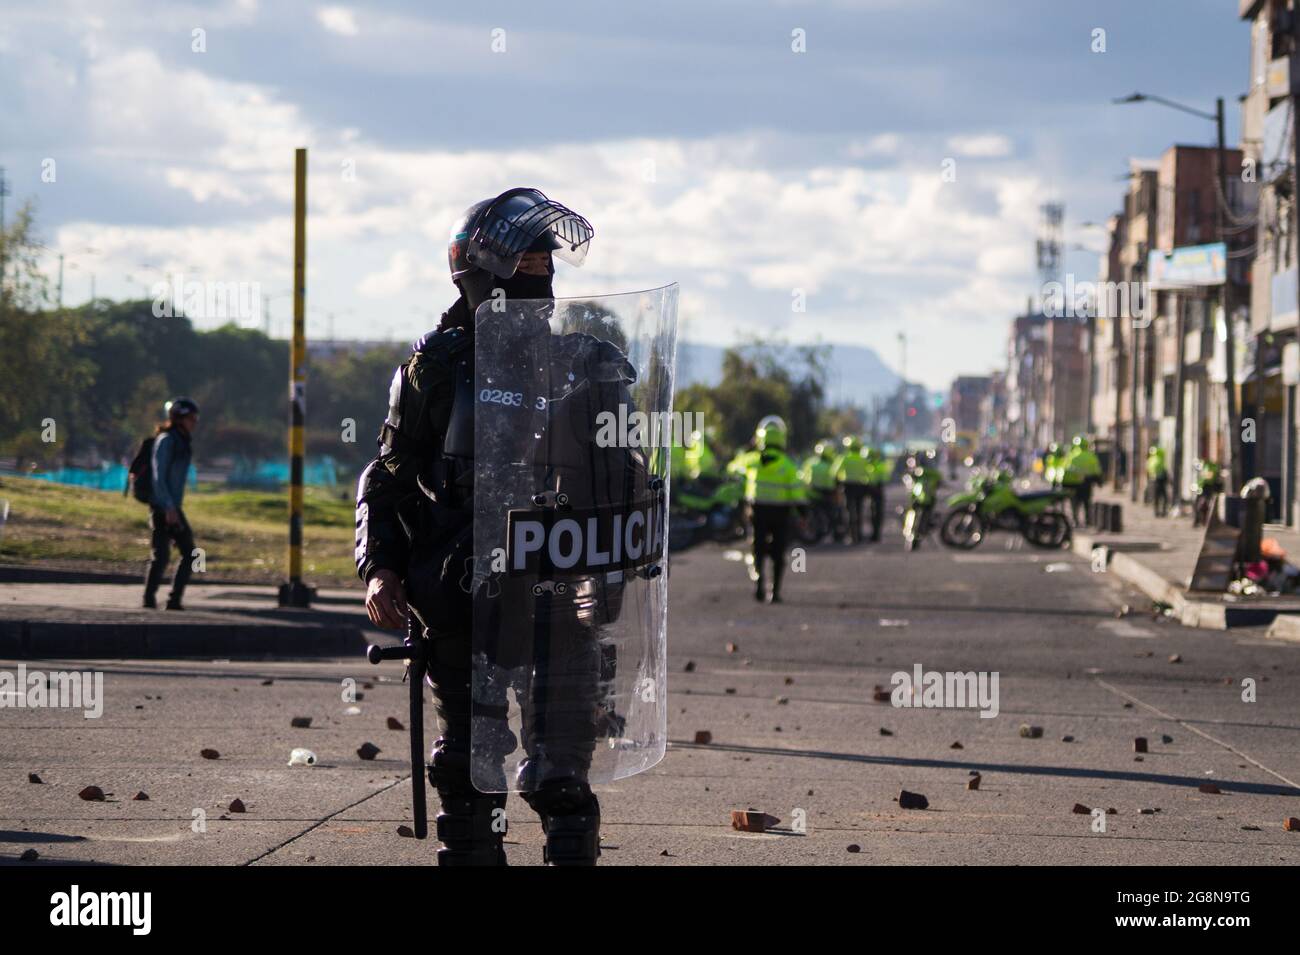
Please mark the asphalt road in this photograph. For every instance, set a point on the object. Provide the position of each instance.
(795, 733)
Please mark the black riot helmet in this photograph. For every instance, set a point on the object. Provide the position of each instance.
(180, 407)
(488, 241)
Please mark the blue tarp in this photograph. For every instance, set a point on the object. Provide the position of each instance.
(273, 474)
(263, 474)
(107, 478)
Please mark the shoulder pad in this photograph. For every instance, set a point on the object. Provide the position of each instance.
(445, 341)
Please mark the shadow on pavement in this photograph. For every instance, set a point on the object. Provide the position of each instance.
(1254, 789)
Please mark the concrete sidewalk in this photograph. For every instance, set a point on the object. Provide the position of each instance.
(1158, 556)
(74, 618)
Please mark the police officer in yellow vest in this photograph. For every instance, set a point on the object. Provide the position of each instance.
(1053, 461)
(701, 462)
(876, 477)
(1080, 471)
(773, 489)
(1158, 478)
(818, 475)
(855, 472)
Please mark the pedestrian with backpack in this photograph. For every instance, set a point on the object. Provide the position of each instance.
(157, 478)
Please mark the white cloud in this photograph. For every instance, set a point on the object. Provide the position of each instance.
(985, 146)
(338, 20)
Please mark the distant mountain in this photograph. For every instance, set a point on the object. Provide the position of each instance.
(857, 373)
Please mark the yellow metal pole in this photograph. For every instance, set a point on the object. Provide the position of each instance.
(295, 593)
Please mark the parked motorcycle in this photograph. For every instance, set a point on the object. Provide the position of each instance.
(922, 485)
(991, 503)
(706, 512)
(823, 518)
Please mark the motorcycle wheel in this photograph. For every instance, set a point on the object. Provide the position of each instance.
(1050, 531)
(962, 529)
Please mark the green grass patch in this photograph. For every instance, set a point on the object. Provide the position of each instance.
(244, 534)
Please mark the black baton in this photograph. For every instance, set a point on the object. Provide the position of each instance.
(413, 651)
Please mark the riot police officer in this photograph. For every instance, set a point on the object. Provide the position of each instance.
(773, 489)
(415, 540)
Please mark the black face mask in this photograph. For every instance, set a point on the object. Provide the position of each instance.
(521, 285)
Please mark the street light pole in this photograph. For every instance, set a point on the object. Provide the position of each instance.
(1230, 343)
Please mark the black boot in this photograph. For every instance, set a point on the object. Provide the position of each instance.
(570, 816)
(471, 830)
(472, 825)
(571, 840)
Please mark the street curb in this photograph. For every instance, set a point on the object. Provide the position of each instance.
(36, 640)
(1190, 613)
(1285, 626)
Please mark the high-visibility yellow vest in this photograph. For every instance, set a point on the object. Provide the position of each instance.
(773, 478)
(852, 468)
(818, 473)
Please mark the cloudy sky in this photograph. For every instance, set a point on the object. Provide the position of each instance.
(704, 148)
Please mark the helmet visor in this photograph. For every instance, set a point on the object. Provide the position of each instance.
(524, 219)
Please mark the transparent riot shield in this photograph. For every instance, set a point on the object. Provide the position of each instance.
(572, 429)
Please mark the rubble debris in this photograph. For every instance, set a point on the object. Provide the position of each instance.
(30, 855)
(209, 754)
(885, 732)
(1256, 828)
(1166, 738)
(1291, 824)
(880, 695)
(395, 724)
(1140, 744)
(368, 750)
(853, 847)
(1123, 611)
(1128, 706)
(267, 682)
(1210, 789)
(690, 667)
(909, 800)
(703, 737)
(1067, 739)
(730, 690)
(782, 700)
(1081, 810)
(1147, 812)
(33, 778)
(732, 647)
(141, 796)
(1031, 732)
(406, 832)
(1112, 811)
(92, 794)
(956, 745)
(300, 722)
(1175, 658)
(789, 680)
(973, 783)
(751, 820)
(302, 757)
(236, 805)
